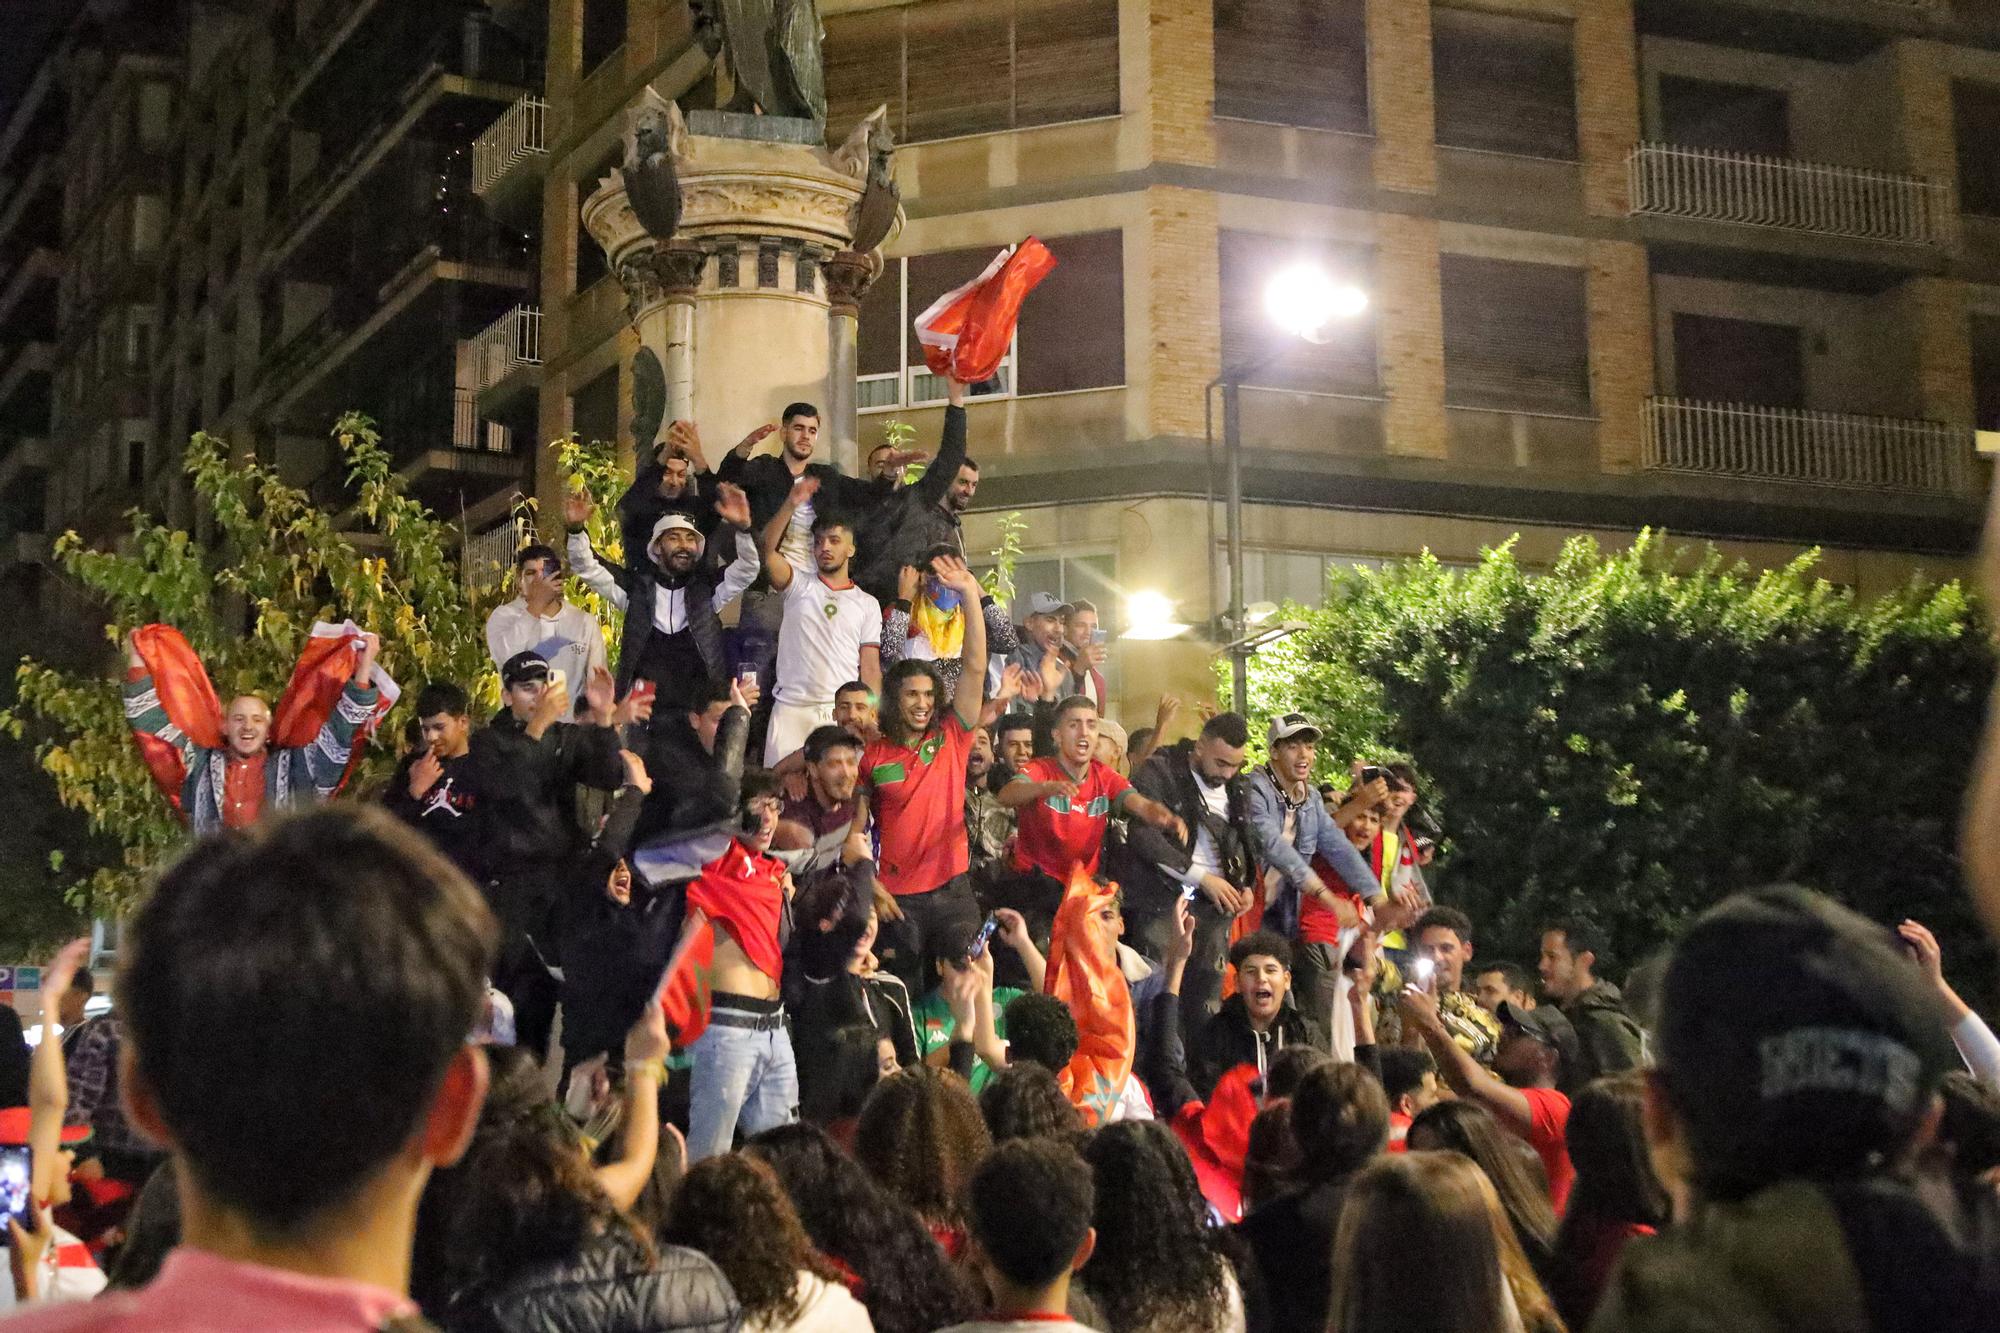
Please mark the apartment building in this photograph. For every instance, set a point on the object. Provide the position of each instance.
(1726, 267)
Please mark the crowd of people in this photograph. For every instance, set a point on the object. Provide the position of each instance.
(965, 1009)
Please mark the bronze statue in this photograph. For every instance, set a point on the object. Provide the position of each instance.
(772, 48)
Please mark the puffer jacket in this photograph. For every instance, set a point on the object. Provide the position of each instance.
(609, 1288)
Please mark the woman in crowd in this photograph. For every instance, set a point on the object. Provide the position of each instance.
(921, 1136)
(521, 1235)
(1423, 1244)
(1616, 1196)
(1158, 1267)
(895, 1266)
(732, 1209)
(1024, 1101)
(1510, 1164)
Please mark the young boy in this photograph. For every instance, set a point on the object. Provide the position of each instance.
(1029, 1209)
(744, 1069)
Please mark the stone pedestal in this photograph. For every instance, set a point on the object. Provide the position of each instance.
(733, 312)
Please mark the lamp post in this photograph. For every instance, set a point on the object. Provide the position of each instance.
(1301, 300)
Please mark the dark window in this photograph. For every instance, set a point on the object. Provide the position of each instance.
(1515, 335)
(1730, 117)
(1269, 356)
(879, 332)
(1975, 111)
(1504, 84)
(1293, 62)
(953, 67)
(603, 31)
(135, 463)
(1720, 360)
(593, 409)
(1986, 371)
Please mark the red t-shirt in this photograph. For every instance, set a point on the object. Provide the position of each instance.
(1318, 924)
(1548, 1135)
(744, 894)
(919, 804)
(1058, 832)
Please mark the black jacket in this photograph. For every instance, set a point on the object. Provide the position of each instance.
(693, 789)
(447, 814)
(1291, 1238)
(637, 579)
(767, 482)
(612, 956)
(1227, 1040)
(609, 1288)
(527, 789)
(1609, 1038)
(642, 506)
(912, 520)
(1168, 779)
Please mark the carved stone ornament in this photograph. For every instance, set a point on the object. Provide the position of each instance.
(848, 278)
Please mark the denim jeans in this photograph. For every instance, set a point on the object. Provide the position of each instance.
(741, 1077)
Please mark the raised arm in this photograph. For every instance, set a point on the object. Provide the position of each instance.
(48, 1083)
(943, 469)
(646, 1048)
(972, 655)
(583, 561)
(143, 712)
(1466, 1075)
(775, 564)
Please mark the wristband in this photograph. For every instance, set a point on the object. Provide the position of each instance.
(656, 1068)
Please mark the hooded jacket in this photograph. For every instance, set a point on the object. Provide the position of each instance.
(1227, 1040)
(609, 1288)
(705, 591)
(1609, 1038)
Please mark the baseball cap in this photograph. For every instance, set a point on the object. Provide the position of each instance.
(1796, 1041)
(15, 1121)
(1545, 1024)
(1291, 726)
(1046, 604)
(524, 666)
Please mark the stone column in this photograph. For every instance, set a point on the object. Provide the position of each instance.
(732, 307)
(848, 278)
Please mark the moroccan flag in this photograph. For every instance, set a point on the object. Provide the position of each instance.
(966, 331)
(186, 696)
(685, 987)
(1083, 973)
(1217, 1138)
(323, 671)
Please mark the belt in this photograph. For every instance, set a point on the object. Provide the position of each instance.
(730, 1018)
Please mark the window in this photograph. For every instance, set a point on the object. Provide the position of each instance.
(135, 463)
(1504, 84)
(593, 409)
(1293, 62)
(1731, 117)
(1344, 364)
(1986, 371)
(149, 223)
(1975, 109)
(1720, 360)
(1515, 336)
(603, 31)
(1071, 335)
(953, 67)
(154, 112)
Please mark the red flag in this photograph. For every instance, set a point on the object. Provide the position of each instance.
(685, 988)
(966, 331)
(323, 672)
(188, 699)
(1217, 1138)
(1083, 973)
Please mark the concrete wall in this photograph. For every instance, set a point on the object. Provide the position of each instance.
(1829, 103)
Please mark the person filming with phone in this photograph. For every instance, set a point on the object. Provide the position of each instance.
(1084, 651)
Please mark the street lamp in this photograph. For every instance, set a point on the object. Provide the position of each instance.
(1304, 301)
(1149, 616)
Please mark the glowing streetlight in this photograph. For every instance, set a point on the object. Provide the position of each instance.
(1303, 299)
(1149, 616)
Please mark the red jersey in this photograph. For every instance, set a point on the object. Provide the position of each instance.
(1060, 832)
(1318, 923)
(744, 894)
(919, 803)
(1548, 1135)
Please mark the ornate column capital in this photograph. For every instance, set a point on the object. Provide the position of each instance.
(848, 278)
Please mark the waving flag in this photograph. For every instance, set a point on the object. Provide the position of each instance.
(188, 699)
(323, 671)
(1217, 1138)
(1083, 973)
(966, 331)
(687, 985)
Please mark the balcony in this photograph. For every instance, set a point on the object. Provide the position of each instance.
(472, 433)
(1832, 449)
(508, 159)
(1747, 190)
(508, 357)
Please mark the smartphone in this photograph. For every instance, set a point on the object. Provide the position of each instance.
(1422, 972)
(16, 1189)
(1099, 637)
(644, 689)
(748, 675)
(985, 936)
(1188, 893)
(559, 681)
(1371, 773)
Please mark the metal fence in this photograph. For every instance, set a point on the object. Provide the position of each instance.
(486, 557)
(1816, 448)
(508, 141)
(1754, 191)
(510, 343)
(469, 432)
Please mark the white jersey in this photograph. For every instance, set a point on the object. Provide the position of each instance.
(820, 642)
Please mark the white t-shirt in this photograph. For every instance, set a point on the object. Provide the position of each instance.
(824, 1307)
(1208, 860)
(820, 642)
(571, 640)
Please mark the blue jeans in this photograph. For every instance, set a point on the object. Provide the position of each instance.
(741, 1077)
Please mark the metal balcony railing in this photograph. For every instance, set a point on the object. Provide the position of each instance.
(469, 432)
(510, 343)
(1814, 448)
(1749, 190)
(509, 141)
